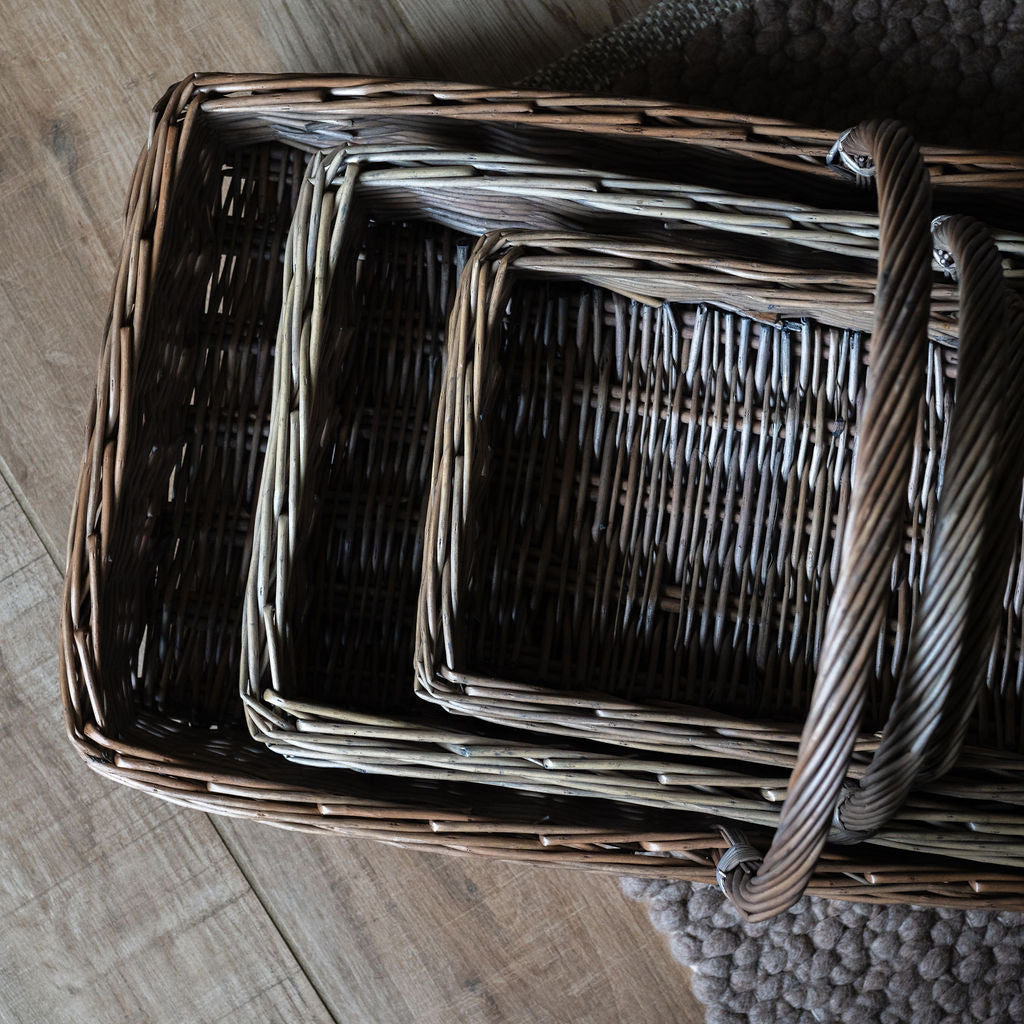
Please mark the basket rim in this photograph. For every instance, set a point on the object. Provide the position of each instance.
(768, 139)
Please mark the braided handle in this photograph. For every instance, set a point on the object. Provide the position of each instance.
(888, 419)
(958, 613)
(952, 730)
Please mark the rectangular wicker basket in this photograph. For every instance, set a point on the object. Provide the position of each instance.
(643, 530)
(161, 534)
(331, 594)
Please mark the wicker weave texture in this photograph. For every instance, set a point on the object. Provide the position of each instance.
(620, 449)
(161, 536)
(331, 591)
(696, 565)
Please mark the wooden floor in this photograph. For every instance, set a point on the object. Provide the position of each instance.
(118, 907)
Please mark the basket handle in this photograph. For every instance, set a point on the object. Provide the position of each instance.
(957, 616)
(952, 729)
(763, 888)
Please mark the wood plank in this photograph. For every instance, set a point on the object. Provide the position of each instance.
(450, 40)
(135, 911)
(77, 85)
(113, 906)
(398, 935)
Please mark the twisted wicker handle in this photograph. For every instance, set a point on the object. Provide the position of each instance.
(958, 613)
(952, 729)
(885, 449)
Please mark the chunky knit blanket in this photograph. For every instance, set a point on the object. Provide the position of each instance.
(844, 962)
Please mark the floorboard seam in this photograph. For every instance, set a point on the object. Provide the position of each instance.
(300, 960)
(33, 520)
(25, 506)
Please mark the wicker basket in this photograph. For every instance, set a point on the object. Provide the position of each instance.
(582, 581)
(161, 533)
(330, 600)
(627, 526)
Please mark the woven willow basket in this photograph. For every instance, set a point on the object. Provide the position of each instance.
(558, 531)
(327, 625)
(648, 515)
(160, 539)
(330, 600)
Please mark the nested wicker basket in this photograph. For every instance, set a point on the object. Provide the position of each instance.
(330, 600)
(597, 521)
(639, 524)
(161, 535)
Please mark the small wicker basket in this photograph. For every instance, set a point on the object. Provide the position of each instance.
(646, 513)
(161, 535)
(639, 528)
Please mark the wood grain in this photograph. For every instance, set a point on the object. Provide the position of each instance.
(77, 83)
(118, 907)
(406, 936)
(455, 40)
(113, 907)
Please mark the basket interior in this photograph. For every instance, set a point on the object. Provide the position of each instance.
(656, 499)
(201, 413)
(356, 572)
(355, 580)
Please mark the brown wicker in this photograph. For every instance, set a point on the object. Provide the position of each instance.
(523, 563)
(327, 645)
(160, 537)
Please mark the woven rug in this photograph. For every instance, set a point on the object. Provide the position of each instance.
(845, 962)
(954, 72)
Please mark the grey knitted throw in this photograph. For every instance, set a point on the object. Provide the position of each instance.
(852, 963)
(954, 71)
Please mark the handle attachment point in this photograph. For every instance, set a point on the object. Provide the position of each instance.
(840, 832)
(740, 853)
(849, 154)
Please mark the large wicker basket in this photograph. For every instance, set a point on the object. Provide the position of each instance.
(161, 534)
